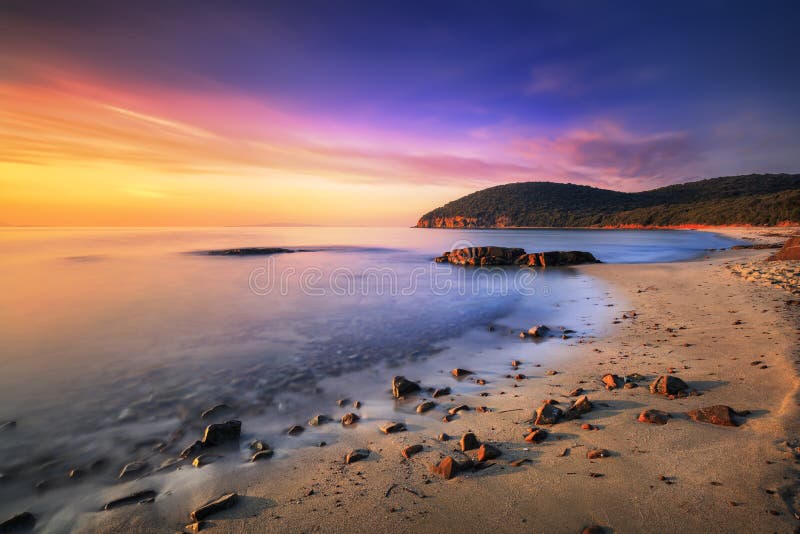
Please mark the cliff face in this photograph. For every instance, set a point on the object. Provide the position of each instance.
(757, 200)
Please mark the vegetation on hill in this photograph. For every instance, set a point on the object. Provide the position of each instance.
(755, 199)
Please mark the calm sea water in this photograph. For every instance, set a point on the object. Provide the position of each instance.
(120, 336)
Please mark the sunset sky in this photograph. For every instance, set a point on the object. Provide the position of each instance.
(340, 113)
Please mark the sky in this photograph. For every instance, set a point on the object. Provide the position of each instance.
(373, 113)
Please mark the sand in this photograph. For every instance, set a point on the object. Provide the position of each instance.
(700, 318)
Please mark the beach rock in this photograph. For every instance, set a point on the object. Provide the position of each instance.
(393, 427)
(216, 411)
(447, 468)
(593, 529)
(538, 331)
(134, 498)
(295, 430)
(441, 392)
(789, 251)
(350, 419)
(458, 372)
(133, 469)
(259, 445)
(481, 256)
(192, 449)
(669, 385)
(425, 406)
(217, 505)
(411, 450)
(634, 377)
(24, 522)
(576, 392)
(581, 406)
(443, 437)
(469, 442)
(537, 436)
(221, 433)
(265, 454)
(357, 405)
(597, 453)
(548, 414)
(718, 414)
(402, 387)
(319, 420)
(656, 417)
(515, 363)
(197, 526)
(631, 385)
(356, 455)
(204, 459)
(551, 372)
(488, 452)
(519, 377)
(8, 425)
(342, 402)
(460, 408)
(613, 381)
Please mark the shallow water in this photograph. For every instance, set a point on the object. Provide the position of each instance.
(111, 337)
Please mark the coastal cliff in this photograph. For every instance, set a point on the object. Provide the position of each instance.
(751, 200)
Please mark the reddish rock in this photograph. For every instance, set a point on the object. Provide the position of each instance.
(536, 436)
(594, 529)
(488, 452)
(548, 414)
(669, 385)
(576, 392)
(411, 450)
(460, 372)
(581, 406)
(356, 456)
(587, 426)
(656, 417)
(613, 381)
(350, 419)
(447, 468)
(716, 415)
(217, 505)
(393, 427)
(469, 442)
(597, 453)
(789, 251)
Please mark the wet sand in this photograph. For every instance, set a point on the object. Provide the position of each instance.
(699, 318)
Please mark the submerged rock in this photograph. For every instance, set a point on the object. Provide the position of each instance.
(295, 430)
(216, 411)
(221, 433)
(265, 454)
(459, 372)
(460, 408)
(718, 414)
(24, 522)
(133, 469)
(441, 392)
(401, 387)
(192, 449)
(217, 505)
(350, 419)
(134, 498)
(319, 420)
(259, 445)
(538, 331)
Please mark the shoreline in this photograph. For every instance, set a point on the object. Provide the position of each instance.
(684, 475)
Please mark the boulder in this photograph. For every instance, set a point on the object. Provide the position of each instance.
(350, 419)
(613, 381)
(447, 468)
(24, 522)
(669, 385)
(217, 505)
(393, 427)
(789, 251)
(469, 442)
(425, 406)
(221, 433)
(481, 256)
(488, 452)
(656, 417)
(718, 414)
(548, 414)
(401, 387)
(356, 456)
(411, 450)
(134, 498)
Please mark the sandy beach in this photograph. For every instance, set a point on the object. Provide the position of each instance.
(733, 341)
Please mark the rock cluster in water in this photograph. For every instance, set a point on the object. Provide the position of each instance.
(486, 256)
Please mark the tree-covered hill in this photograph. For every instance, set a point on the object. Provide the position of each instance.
(755, 199)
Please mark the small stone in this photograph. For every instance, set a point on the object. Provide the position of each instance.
(319, 420)
(425, 406)
(581, 406)
(443, 437)
(594, 529)
(469, 442)
(402, 387)
(716, 415)
(631, 385)
(411, 450)
(342, 402)
(597, 453)
(350, 419)
(134, 498)
(216, 411)
(441, 392)
(517, 463)
(519, 377)
(356, 456)
(587, 426)
(613, 381)
(551, 372)
(204, 459)
(488, 452)
(357, 404)
(656, 417)
(669, 385)
(536, 436)
(447, 468)
(460, 408)
(480, 382)
(295, 430)
(259, 445)
(262, 455)
(515, 363)
(482, 409)
(217, 505)
(576, 392)
(393, 427)
(538, 331)
(458, 372)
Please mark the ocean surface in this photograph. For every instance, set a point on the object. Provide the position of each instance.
(114, 340)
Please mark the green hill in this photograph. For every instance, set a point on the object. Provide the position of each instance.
(755, 199)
